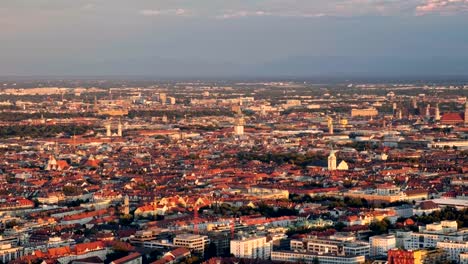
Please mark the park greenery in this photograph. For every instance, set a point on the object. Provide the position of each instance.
(44, 131)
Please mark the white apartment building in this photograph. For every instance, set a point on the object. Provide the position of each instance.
(309, 257)
(197, 243)
(429, 235)
(251, 248)
(380, 245)
(333, 246)
(464, 258)
(453, 249)
(9, 253)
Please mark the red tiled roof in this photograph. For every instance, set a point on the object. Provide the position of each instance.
(452, 117)
(128, 258)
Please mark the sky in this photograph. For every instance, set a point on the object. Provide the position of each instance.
(209, 38)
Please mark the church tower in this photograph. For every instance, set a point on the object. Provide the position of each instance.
(466, 112)
(126, 204)
(239, 126)
(330, 125)
(108, 130)
(428, 111)
(119, 129)
(332, 161)
(437, 113)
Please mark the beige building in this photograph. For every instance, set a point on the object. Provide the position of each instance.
(380, 245)
(364, 112)
(464, 258)
(453, 249)
(251, 248)
(9, 253)
(193, 242)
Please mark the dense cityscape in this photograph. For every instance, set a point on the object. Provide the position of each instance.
(139, 171)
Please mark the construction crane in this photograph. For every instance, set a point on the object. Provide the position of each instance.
(195, 219)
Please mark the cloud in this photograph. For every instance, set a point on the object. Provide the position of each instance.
(165, 12)
(180, 12)
(442, 7)
(261, 13)
(343, 8)
(243, 13)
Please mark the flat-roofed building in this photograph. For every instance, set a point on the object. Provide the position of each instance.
(310, 257)
(9, 253)
(364, 112)
(197, 243)
(251, 248)
(380, 245)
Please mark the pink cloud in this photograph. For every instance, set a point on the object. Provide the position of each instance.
(442, 7)
(157, 12)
